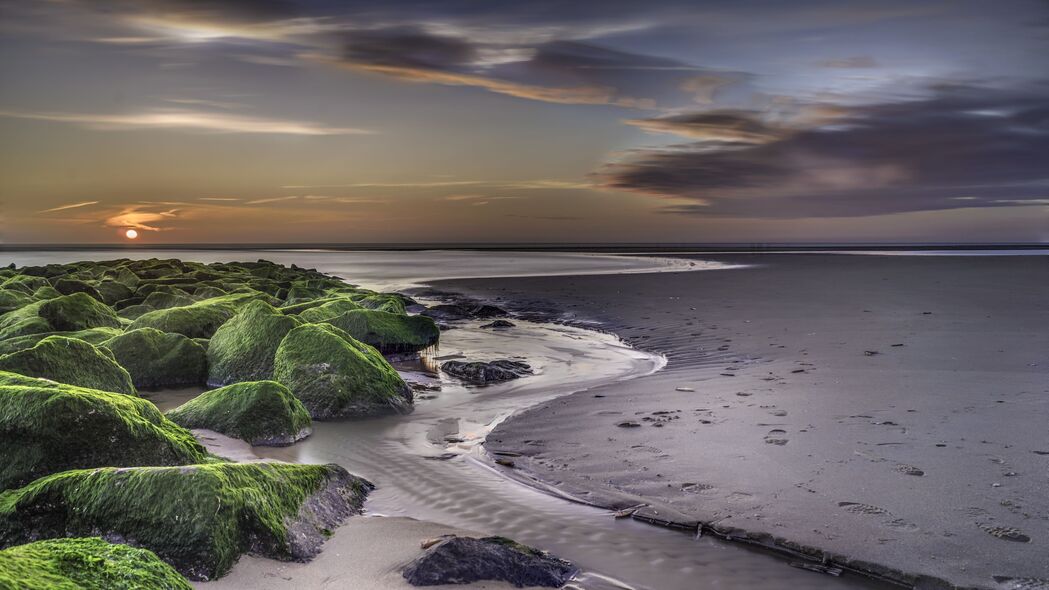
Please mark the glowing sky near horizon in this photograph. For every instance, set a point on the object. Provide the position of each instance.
(280, 121)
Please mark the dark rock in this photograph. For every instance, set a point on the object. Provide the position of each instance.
(483, 373)
(500, 324)
(464, 310)
(464, 560)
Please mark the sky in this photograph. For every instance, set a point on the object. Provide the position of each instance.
(459, 121)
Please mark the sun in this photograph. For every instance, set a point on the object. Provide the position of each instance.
(131, 234)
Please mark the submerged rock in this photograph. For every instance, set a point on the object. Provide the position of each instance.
(85, 564)
(336, 376)
(259, 412)
(464, 560)
(158, 359)
(500, 324)
(244, 347)
(491, 372)
(198, 518)
(48, 427)
(71, 361)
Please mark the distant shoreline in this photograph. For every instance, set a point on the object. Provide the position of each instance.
(639, 248)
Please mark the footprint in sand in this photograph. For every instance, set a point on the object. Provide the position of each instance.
(1008, 583)
(871, 510)
(1006, 533)
(776, 437)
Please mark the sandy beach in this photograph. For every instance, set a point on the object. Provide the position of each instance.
(887, 413)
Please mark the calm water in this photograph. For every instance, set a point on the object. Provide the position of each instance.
(399, 270)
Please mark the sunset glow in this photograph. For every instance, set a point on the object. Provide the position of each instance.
(131, 234)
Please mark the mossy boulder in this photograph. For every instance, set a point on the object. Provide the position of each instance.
(67, 313)
(47, 427)
(259, 412)
(331, 308)
(336, 376)
(11, 299)
(244, 347)
(68, 286)
(156, 359)
(167, 300)
(70, 361)
(198, 518)
(113, 291)
(390, 333)
(390, 302)
(78, 311)
(85, 564)
(91, 335)
(199, 320)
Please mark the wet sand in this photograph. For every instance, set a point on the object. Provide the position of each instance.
(889, 413)
(428, 465)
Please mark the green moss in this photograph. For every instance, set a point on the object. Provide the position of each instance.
(259, 412)
(199, 320)
(330, 309)
(336, 376)
(85, 564)
(11, 299)
(91, 335)
(198, 518)
(68, 286)
(47, 427)
(163, 300)
(158, 359)
(389, 332)
(25, 283)
(244, 347)
(78, 311)
(70, 361)
(113, 291)
(390, 302)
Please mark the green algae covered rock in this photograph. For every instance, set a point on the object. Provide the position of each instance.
(69, 313)
(156, 359)
(78, 311)
(244, 347)
(329, 309)
(85, 564)
(70, 361)
(199, 320)
(259, 412)
(391, 333)
(11, 299)
(68, 286)
(336, 376)
(47, 427)
(91, 335)
(198, 518)
(390, 302)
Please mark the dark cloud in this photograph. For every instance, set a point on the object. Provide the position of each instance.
(721, 125)
(963, 147)
(408, 48)
(556, 71)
